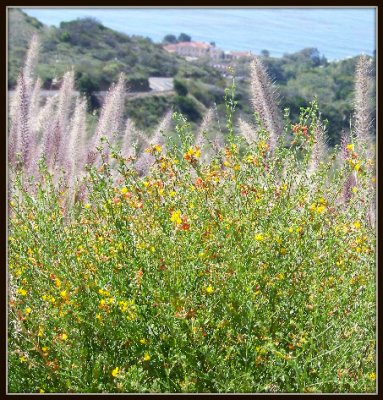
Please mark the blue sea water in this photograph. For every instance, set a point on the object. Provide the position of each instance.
(336, 32)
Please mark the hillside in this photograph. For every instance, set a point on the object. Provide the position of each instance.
(99, 54)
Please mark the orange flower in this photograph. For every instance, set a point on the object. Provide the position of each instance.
(199, 182)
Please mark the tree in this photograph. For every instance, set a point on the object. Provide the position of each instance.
(265, 53)
(86, 84)
(138, 83)
(180, 88)
(169, 39)
(188, 107)
(183, 37)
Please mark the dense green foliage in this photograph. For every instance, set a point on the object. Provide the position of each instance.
(219, 276)
(147, 111)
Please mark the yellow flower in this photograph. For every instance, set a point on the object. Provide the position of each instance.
(64, 294)
(45, 349)
(22, 292)
(176, 217)
(143, 341)
(350, 147)
(115, 371)
(259, 237)
(290, 229)
(320, 209)
(372, 376)
(356, 225)
(124, 190)
(64, 337)
(42, 391)
(123, 306)
(23, 359)
(357, 167)
(87, 206)
(98, 316)
(209, 290)
(354, 189)
(57, 282)
(104, 292)
(147, 357)
(28, 310)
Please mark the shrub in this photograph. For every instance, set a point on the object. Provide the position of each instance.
(240, 264)
(180, 87)
(187, 106)
(138, 84)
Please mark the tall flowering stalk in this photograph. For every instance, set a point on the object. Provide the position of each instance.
(128, 146)
(206, 121)
(31, 62)
(54, 120)
(51, 145)
(247, 131)
(201, 139)
(34, 106)
(318, 152)
(65, 98)
(263, 98)
(344, 154)
(45, 113)
(362, 129)
(77, 139)
(362, 114)
(19, 134)
(110, 121)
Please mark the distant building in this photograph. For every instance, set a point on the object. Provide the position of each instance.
(238, 54)
(195, 49)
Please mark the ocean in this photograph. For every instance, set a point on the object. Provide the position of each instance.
(336, 32)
